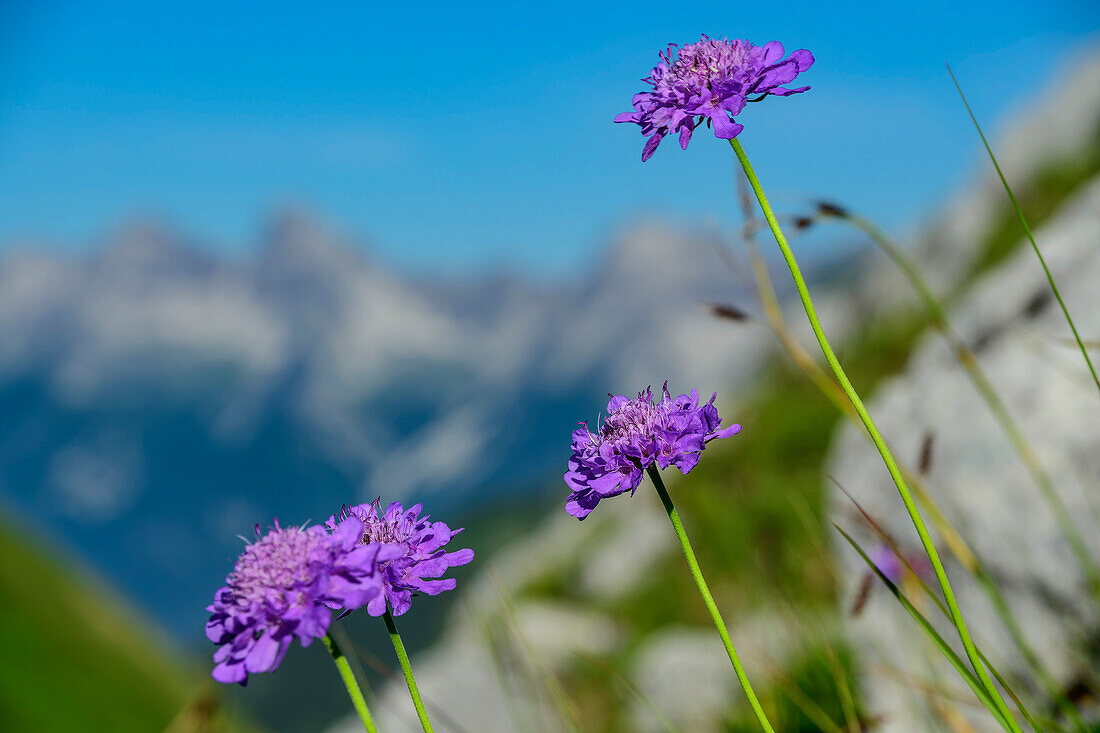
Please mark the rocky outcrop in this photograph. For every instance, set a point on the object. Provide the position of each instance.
(979, 481)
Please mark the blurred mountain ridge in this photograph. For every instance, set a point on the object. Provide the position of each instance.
(150, 388)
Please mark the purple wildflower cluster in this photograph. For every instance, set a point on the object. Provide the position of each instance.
(711, 81)
(287, 583)
(416, 558)
(284, 587)
(636, 434)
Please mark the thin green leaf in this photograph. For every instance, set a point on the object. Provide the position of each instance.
(981, 575)
(942, 645)
(969, 361)
(1027, 229)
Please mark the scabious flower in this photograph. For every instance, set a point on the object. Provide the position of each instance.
(635, 434)
(284, 586)
(886, 561)
(414, 558)
(890, 565)
(711, 81)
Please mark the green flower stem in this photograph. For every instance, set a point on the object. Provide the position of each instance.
(403, 657)
(979, 574)
(708, 599)
(876, 437)
(945, 649)
(349, 682)
(969, 360)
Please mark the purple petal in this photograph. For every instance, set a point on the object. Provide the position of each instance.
(348, 532)
(313, 625)
(581, 504)
(733, 104)
(400, 601)
(651, 145)
(782, 92)
(263, 655)
(773, 51)
(460, 557)
(389, 551)
(634, 479)
(435, 587)
(685, 136)
(725, 128)
(690, 443)
(228, 673)
(783, 73)
(576, 481)
(377, 605)
(725, 432)
(686, 461)
(607, 484)
(352, 594)
(803, 58)
(222, 653)
(215, 629)
(432, 568)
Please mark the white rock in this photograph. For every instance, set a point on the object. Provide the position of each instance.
(977, 478)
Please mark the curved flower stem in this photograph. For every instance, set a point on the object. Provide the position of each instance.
(942, 645)
(403, 657)
(969, 360)
(876, 437)
(349, 682)
(708, 599)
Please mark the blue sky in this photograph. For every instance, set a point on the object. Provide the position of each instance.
(460, 136)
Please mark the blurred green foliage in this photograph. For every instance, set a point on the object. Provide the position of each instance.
(76, 659)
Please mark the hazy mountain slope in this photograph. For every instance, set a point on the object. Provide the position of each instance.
(156, 400)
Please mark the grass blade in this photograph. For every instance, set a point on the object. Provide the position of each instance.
(883, 448)
(995, 598)
(945, 649)
(570, 717)
(937, 314)
(1027, 229)
(969, 361)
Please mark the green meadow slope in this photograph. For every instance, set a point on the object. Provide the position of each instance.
(74, 658)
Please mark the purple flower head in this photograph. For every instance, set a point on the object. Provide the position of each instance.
(890, 565)
(410, 556)
(711, 81)
(284, 587)
(635, 434)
